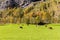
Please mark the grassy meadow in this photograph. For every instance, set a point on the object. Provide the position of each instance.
(29, 32)
(34, 13)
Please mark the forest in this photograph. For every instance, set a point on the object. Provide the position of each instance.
(34, 13)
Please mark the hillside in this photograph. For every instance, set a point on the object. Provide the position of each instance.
(35, 12)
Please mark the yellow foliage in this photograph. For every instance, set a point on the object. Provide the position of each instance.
(37, 12)
(16, 12)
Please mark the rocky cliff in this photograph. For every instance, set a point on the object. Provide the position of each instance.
(15, 3)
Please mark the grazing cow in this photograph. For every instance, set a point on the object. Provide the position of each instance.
(50, 28)
(42, 23)
(21, 27)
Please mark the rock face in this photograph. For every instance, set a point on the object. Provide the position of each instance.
(8, 3)
(16, 3)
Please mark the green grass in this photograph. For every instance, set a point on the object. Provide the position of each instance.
(31, 32)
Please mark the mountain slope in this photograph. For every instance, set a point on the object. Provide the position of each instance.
(34, 13)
